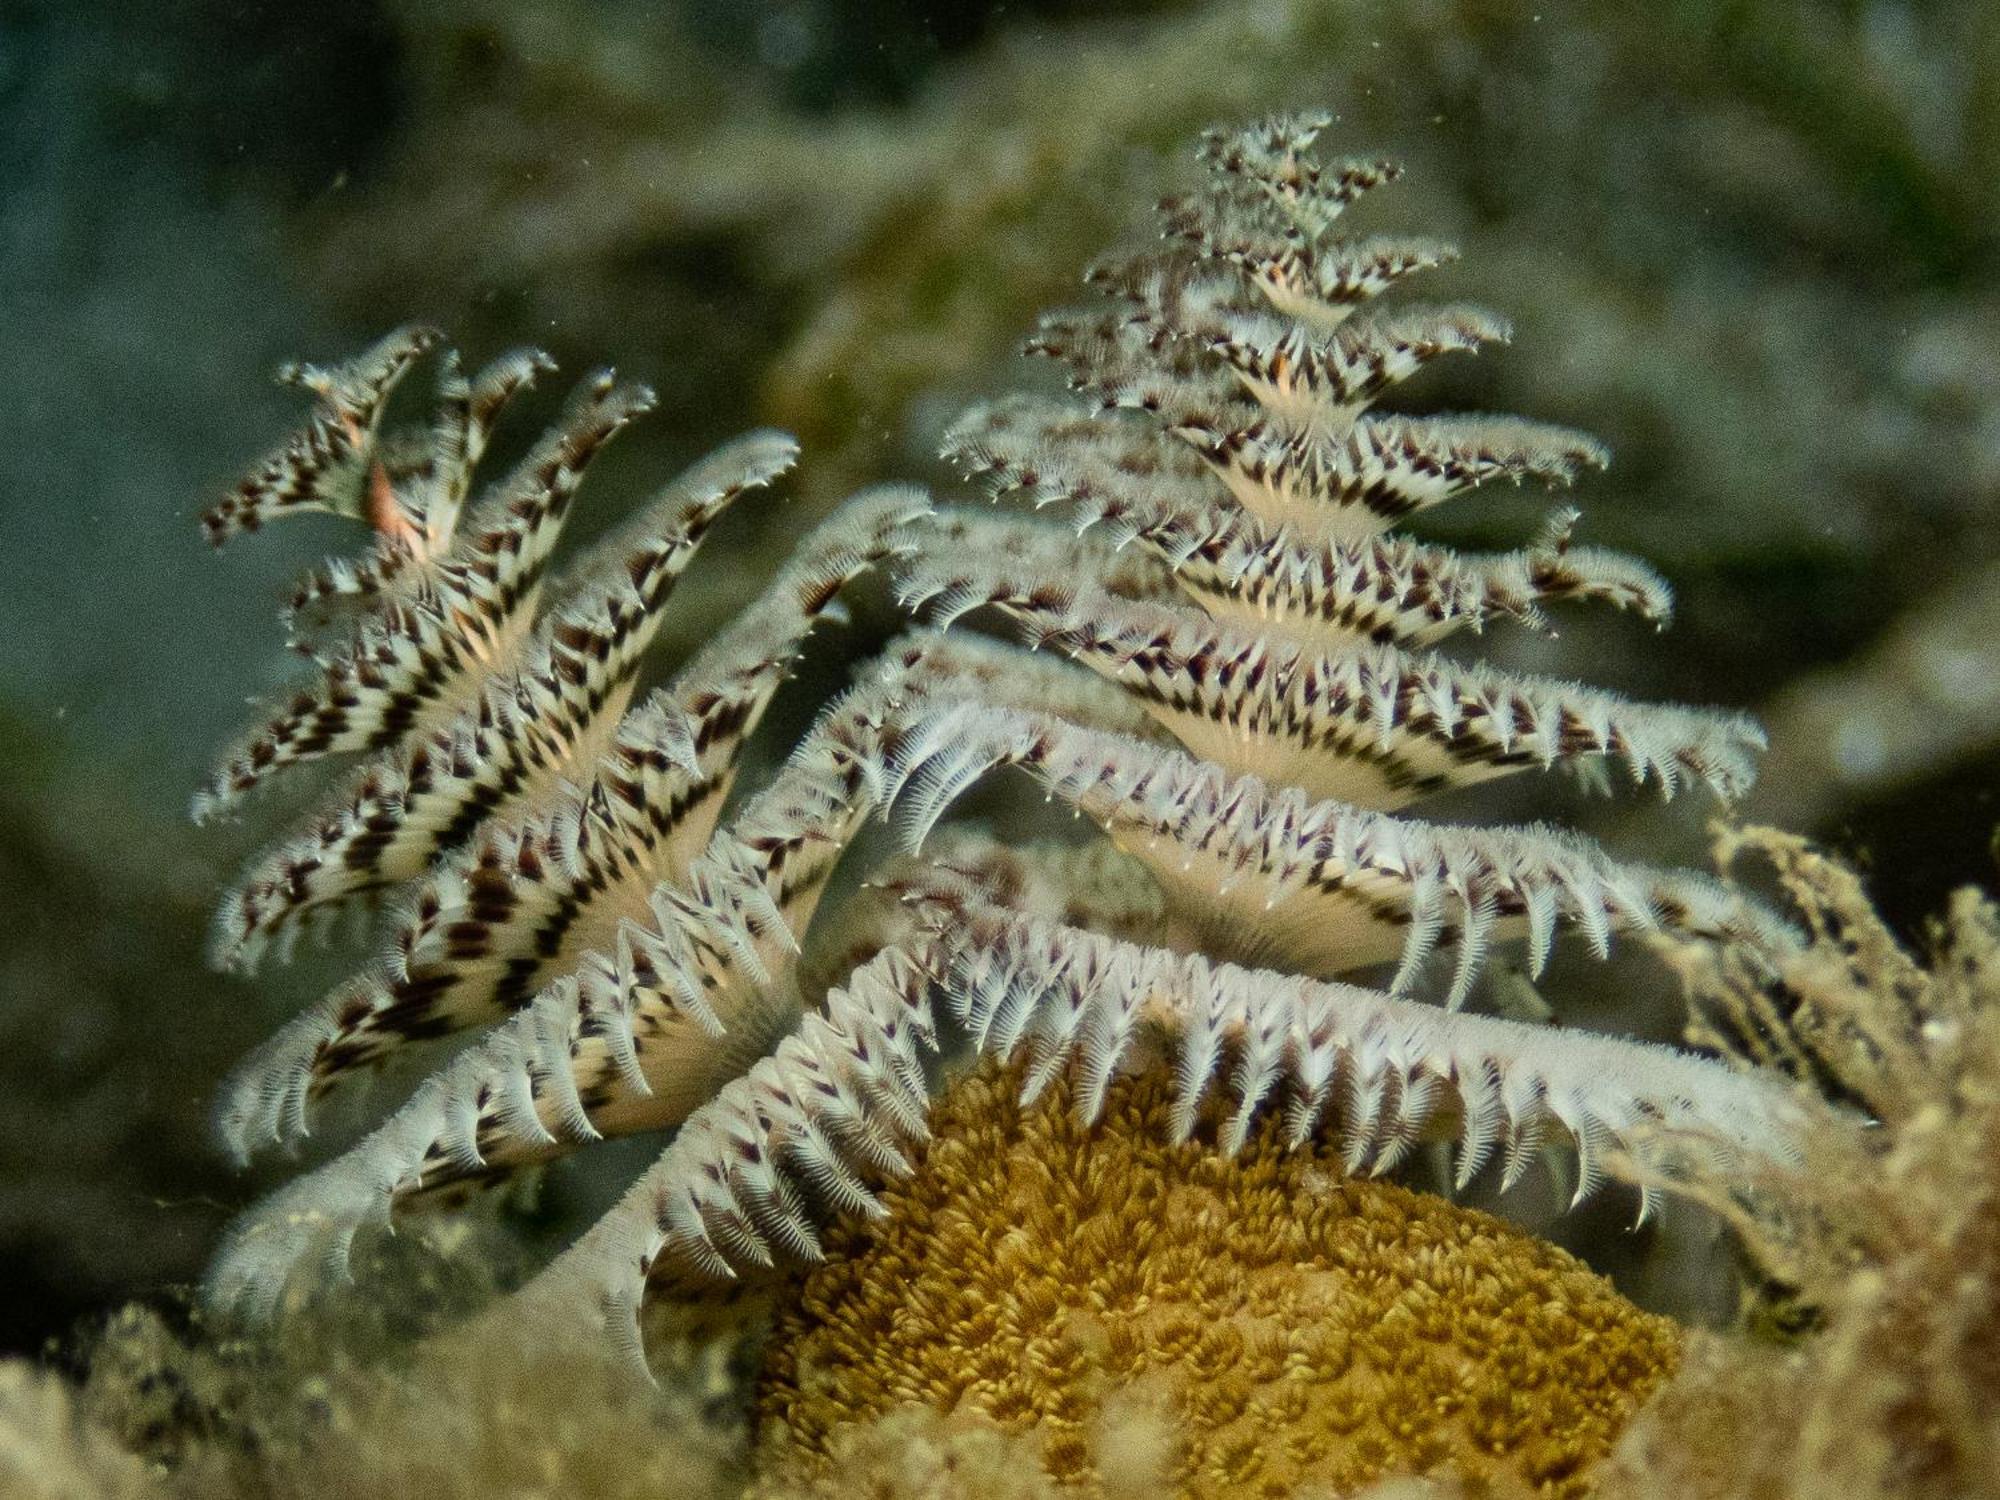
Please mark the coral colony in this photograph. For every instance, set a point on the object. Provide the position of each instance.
(1228, 673)
(1250, 1324)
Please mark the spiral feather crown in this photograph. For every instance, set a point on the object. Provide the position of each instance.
(1238, 687)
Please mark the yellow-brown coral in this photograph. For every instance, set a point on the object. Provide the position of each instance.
(1295, 1328)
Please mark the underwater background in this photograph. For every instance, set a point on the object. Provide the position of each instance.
(1753, 246)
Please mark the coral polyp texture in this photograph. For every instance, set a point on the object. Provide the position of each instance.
(1281, 1324)
(596, 932)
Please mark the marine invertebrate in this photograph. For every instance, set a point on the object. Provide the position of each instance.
(1251, 706)
(1296, 1325)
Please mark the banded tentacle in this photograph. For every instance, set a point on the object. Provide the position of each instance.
(420, 658)
(1249, 698)
(1267, 875)
(1386, 588)
(419, 495)
(326, 465)
(809, 1131)
(527, 729)
(483, 932)
(1370, 724)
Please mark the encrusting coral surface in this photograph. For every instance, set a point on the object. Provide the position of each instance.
(1275, 1323)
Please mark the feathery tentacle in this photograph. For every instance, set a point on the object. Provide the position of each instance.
(412, 664)
(326, 464)
(1226, 578)
(527, 729)
(1269, 875)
